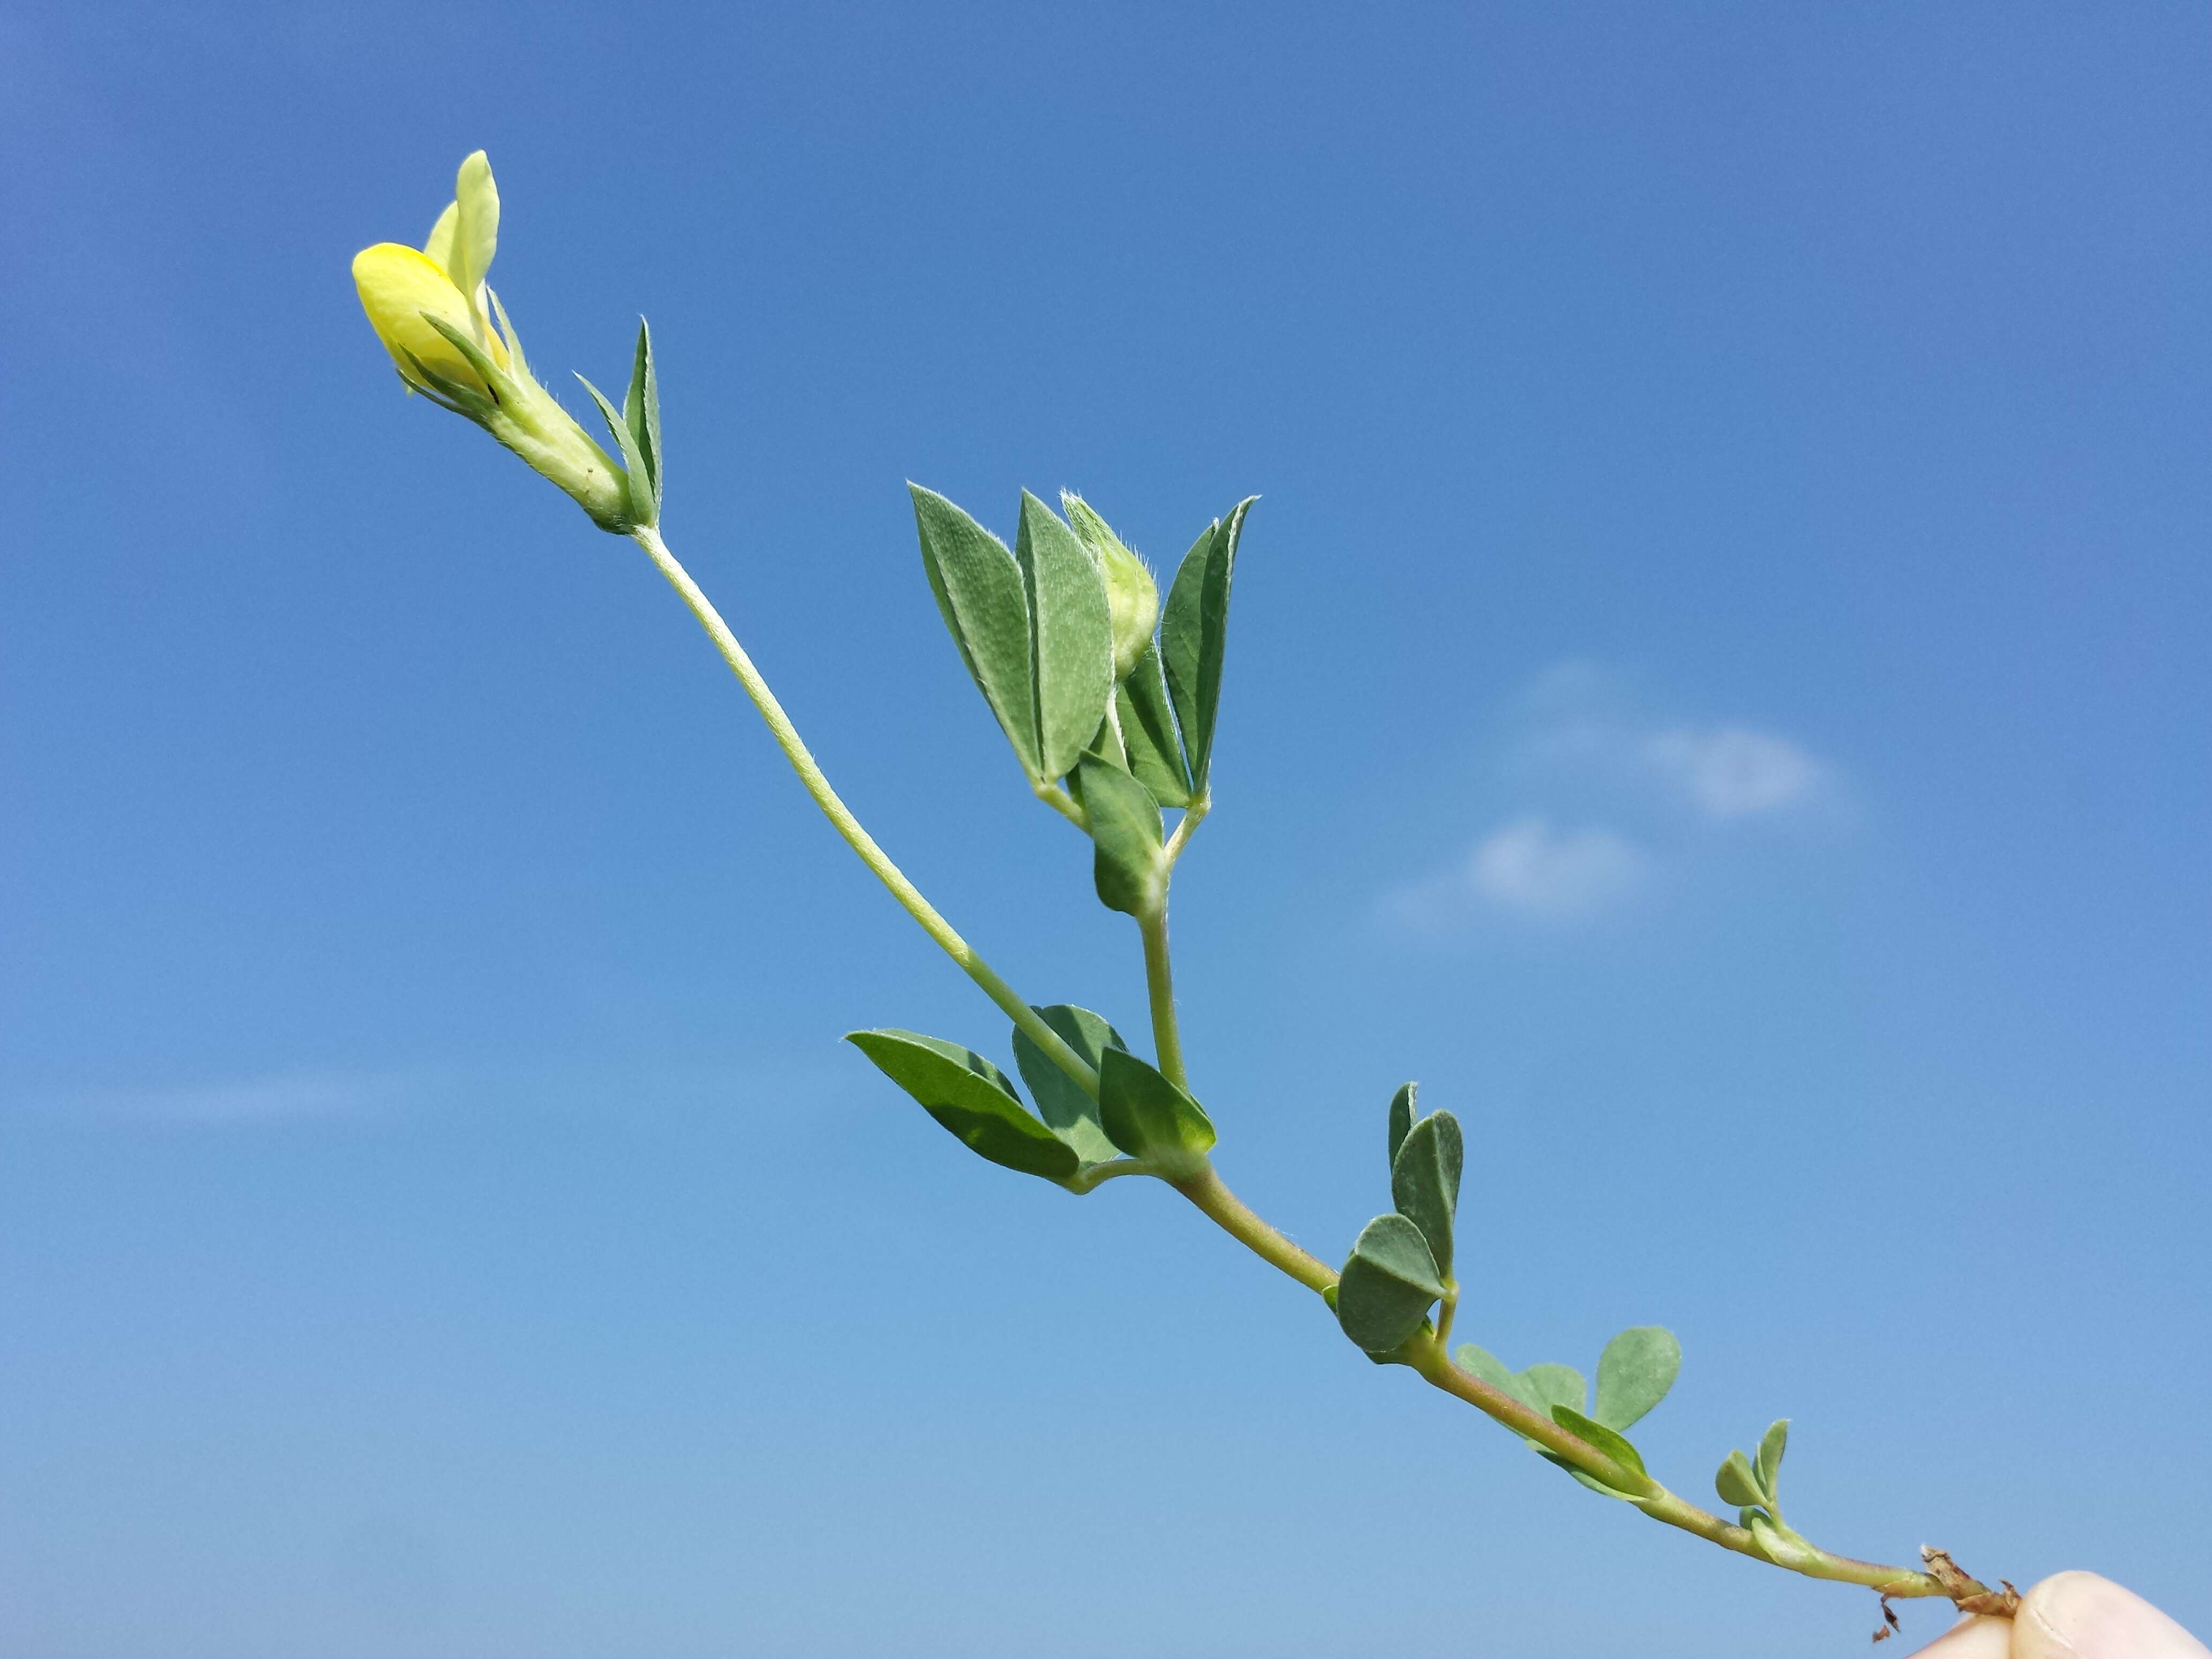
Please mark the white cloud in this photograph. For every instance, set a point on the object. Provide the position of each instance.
(1531, 867)
(1732, 772)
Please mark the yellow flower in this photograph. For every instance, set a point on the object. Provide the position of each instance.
(400, 288)
(431, 308)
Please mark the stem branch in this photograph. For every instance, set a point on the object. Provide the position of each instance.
(842, 819)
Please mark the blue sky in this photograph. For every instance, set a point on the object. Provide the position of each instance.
(1717, 692)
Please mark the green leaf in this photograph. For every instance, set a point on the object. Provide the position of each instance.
(1147, 1117)
(1634, 1373)
(1072, 633)
(1387, 1285)
(1148, 731)
(971, 1097)
(1425, 1182)
(981, 595)
(1771, 1445)
(1129, 868)
(1195, 636)
(1072, 1113)
(1776, 1542)
(1402, 1117)
(1551, 1386)
(637, 480)
(642, 409)
(1605, 1440)
(1737, 1482)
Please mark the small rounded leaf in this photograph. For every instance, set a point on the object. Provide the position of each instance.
(1387, 1285)
(1737, 1483)
(1634, 1373)
(1425, 1182)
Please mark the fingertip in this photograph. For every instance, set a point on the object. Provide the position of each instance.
(1974, 1637)
(2080, 1615)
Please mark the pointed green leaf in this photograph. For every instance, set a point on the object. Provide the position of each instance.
(1194, 636)
(1402, 1117)
(1737, 1482)
(1771, 1445)
(637, 481)
(1129, 867)
(641, 408)
(1387, 1285)
(1634, 1373)
(1070, 1113)
(1148, 731)
(1073, 635)
(1147, 1117)
(1613, 1445)
(971, 1097)
(1424, 1182)
(980, 593)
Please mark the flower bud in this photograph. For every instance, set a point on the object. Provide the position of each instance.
(1132, 597)
(434, 312)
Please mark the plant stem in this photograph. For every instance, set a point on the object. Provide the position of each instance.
(1426, 1355)
(1234, 1217)
(1159, 988)
(1193, 815)
(842, 819)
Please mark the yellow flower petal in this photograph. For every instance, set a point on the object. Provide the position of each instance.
(398, 284)
(475, 231)
(440, 247)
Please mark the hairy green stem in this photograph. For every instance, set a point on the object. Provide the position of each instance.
(1234, 1217)
(842, 819)
(1193, 815)
(1159, 990)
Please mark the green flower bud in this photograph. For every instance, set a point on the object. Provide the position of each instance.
(1132, 596)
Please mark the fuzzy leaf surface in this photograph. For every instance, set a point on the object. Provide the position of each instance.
(1147, 1117)
(1387, 1285)
(1425, 1182)
(1129, 862)
(1195, 636)
(985, 604)
(971, 1097)
(1071, 1114)
(1634, 1373)
(1073, 635)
